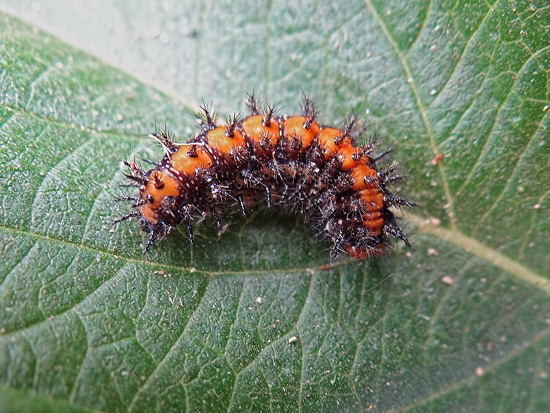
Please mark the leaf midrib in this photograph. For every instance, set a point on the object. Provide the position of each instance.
(422, 111)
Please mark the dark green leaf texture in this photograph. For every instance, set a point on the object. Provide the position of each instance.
(251, 319)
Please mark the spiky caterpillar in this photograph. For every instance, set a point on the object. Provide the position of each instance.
(286, 161)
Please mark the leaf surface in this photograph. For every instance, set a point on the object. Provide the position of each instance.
(251, 319)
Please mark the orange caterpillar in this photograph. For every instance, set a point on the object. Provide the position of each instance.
(286, 161)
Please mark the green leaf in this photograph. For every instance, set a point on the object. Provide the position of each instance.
(251, 319)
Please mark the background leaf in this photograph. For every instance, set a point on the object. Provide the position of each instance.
(460, 323)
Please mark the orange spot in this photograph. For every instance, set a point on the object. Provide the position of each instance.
(358, 175)
(157, 187)
(373, 199)
(363, 253)
(294, 126)
(372, 216)
(326, 138)
(189, 157)
(255, 131)
(148, 214)
(346, 155)
(217, 139)
(375, 226)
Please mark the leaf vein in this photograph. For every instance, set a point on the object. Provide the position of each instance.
(422, 26)
(512, 175)
(463, 51)
(531, 226)
(164, 359)
(497, 118)
(15, 264)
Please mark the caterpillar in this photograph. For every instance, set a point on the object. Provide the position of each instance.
(288, 161)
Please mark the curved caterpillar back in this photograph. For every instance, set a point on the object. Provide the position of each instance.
(285, 160)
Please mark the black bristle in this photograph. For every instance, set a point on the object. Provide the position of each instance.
(207, 118)
(252, 104)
